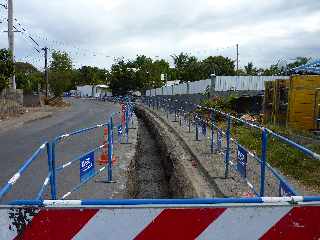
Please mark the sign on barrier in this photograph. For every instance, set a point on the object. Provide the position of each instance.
(242, 161)
(87, 166)
(162, 222)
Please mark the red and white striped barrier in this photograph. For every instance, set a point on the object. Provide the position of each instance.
(246, 221)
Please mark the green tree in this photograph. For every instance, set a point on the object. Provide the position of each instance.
(60, 76)
(250, 69)
(272, 71)
(28, 77)
(299, 61)
(122, 77)
(218, 65)
(6, 68)
(187, 68)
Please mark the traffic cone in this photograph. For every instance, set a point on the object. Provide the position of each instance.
(104, 155)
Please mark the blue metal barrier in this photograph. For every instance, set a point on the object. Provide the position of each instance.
(53, 170)
(8, 186)
(262, 160)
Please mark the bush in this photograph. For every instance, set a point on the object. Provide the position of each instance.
(6, 68)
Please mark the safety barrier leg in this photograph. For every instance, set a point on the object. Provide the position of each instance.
(263, 161)
(127, 125)
(212, 132)
(197, 129)
(227, 155)
(110, 152)
(52, 169)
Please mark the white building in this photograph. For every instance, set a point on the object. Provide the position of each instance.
(94, 91)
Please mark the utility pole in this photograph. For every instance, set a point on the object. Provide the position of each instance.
(45, 49)
(237, 58)
(11, 38)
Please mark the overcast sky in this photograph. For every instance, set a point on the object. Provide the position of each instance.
(96, 31)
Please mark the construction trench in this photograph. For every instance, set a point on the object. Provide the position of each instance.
(164, 166)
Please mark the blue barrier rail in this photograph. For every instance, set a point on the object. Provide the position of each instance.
(184, 108)
(51, 152)
(53, 170)
(184, 202)
(24, 167)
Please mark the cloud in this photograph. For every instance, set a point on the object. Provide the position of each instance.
(92, 30)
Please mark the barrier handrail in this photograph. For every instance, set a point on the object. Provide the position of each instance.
(24, 167)
(66, 135)
(293, 200)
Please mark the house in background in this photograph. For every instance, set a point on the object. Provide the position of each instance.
(94, 91)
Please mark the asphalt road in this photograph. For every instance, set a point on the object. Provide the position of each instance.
(18, 144)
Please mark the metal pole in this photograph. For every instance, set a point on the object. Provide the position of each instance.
(127, 125)
(227, 158)
(197, 130)
(11, 38)
(263, 161)
(110, 151)
(212, 132)
(46, 69)
(237, 58)
(53, 171)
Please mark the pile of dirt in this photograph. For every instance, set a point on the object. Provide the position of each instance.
(56, 102)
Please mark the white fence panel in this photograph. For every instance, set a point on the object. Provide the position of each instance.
(223, 83)
(199, 86)
(180, 89)
(167, 91)
(244, 83)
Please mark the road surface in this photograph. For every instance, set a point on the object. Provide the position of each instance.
(18, 144)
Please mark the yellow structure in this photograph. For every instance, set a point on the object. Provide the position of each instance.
(294, 103)
(304, 102)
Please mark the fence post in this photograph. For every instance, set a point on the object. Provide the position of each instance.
(189, 118)
(180, 118)
(111, 128)
(227, 158)
(263, 161)
(127, 124)
(197, 130)
(212, 131)
(110, 152)
(52, 169)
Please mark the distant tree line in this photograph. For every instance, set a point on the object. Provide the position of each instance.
(125, 75)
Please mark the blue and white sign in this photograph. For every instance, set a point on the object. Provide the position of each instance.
(86, 166)
(242, 161)
(284, 190)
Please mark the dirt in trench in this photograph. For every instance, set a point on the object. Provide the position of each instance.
(147, 176)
